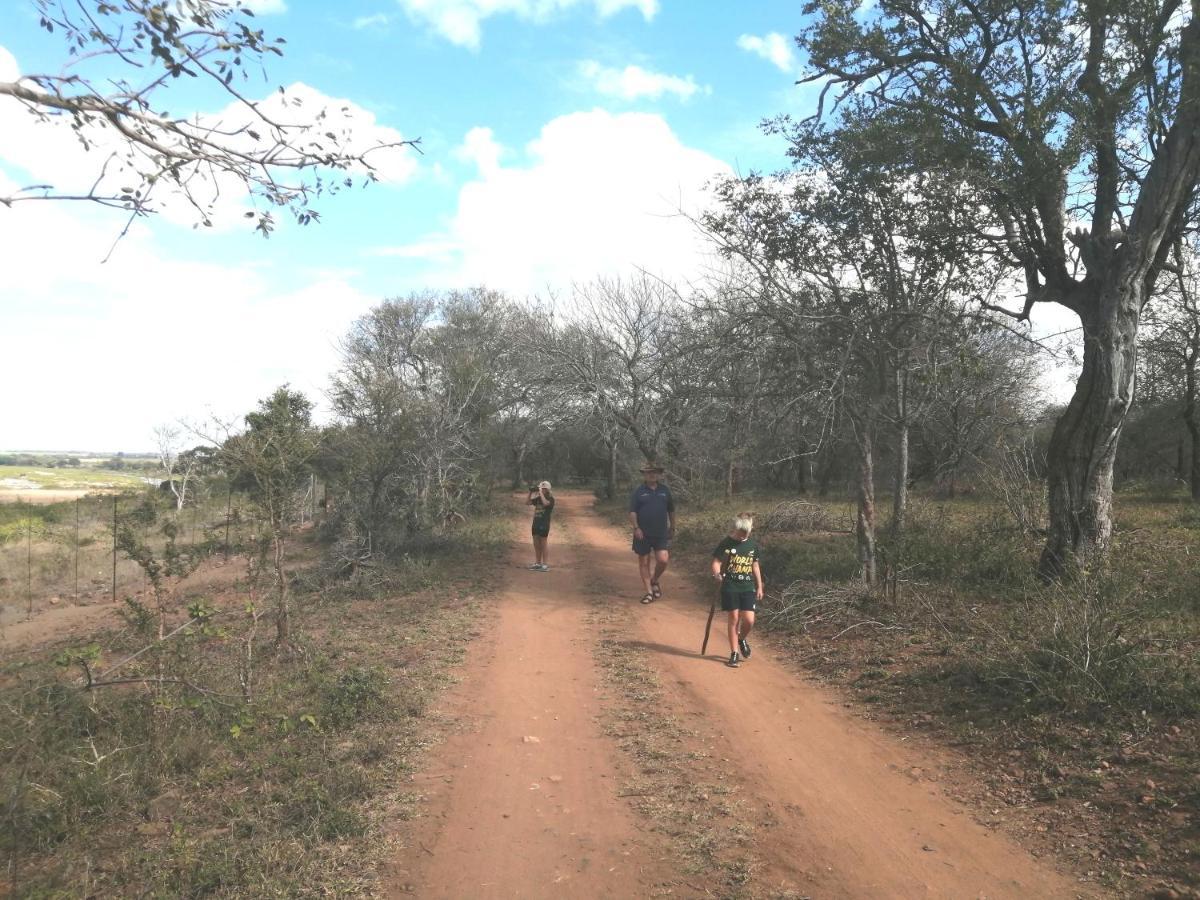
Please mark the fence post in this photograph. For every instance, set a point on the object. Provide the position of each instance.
(76, 551)
(28, 560)
(228, 510)
(114, 567)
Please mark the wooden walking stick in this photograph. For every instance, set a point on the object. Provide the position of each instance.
(712, 611)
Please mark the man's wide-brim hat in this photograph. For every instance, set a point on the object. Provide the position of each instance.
(651, 467)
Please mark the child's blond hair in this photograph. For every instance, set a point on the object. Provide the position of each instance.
(744, 521)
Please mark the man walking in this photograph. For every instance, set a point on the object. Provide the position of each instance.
(651, 513)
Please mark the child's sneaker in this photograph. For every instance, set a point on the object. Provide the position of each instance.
(745, 645)
(732, 662)
(542, 567)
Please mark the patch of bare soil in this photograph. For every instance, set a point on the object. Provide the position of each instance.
(524, 801)
(58, 619)
(1122, 808)
(42, 495)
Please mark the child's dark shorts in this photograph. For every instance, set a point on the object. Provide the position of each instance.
(743, 600)
(541, 530)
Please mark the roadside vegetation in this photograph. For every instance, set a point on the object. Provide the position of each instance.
(211, 763)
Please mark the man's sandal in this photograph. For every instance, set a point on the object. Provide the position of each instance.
(655, 589)
(648, 598)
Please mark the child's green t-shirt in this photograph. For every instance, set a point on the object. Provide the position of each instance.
(737, 563)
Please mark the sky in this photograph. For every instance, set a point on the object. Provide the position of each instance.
(559, 140)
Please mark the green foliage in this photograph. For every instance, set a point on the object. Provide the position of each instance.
(356, 694)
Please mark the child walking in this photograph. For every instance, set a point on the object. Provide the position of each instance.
(542, 502)
(735, 565)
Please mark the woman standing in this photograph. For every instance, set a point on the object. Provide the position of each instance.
(542, 502)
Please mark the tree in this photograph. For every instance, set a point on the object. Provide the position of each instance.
(175, 461)
(279, 153)
(1079, 123)
(1173, 341)
(270, 460)
(863, 265)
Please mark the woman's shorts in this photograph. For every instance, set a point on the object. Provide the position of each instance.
(743, 600)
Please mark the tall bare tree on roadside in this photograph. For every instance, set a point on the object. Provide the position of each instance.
(1079, 122)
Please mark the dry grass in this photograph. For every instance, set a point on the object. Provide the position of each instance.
(148, 790)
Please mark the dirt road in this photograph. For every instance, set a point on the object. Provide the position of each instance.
(524, 801)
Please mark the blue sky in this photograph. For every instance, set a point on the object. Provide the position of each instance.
(558, 138)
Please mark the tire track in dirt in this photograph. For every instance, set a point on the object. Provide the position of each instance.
(847, 818)
(522, 801)
(511, 817)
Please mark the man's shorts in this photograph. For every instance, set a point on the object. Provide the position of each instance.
(743, 600)
(649, 543)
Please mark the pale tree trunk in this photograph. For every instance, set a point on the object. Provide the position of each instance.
(900, 488)
(1083, 445)
(900, 491)
(865, 525)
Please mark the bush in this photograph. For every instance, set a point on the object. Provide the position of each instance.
(1086, 646)
(798, 515)
(356, 694)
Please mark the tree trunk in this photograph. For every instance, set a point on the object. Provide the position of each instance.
(612, 470)
(729, 476)
(1084, 442)
(283, 620)
(519, 454)
(1191, 419)
(900, 490)
(865, 528)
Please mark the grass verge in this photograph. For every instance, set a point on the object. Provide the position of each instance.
(141, 789)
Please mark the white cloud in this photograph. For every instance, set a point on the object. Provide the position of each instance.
(377, 20)
(774, 48)
(461, 21)
(147, 337)
(8, 66)
(633, 82)
(49, 151)
(480, 147)
(265, 7)
(601, 194)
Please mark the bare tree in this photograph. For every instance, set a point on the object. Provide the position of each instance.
(178, 463)
(1080, 124)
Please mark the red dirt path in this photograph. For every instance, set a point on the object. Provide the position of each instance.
(526, 803)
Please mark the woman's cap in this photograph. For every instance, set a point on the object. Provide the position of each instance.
(544, 484)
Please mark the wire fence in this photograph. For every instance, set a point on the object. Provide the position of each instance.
(65, 553)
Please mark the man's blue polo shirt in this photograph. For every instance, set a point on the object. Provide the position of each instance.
(652, 506)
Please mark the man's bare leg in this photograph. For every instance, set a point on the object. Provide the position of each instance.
(661, 558)
(644, 571)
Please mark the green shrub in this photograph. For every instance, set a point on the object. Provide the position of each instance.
(357, 694)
